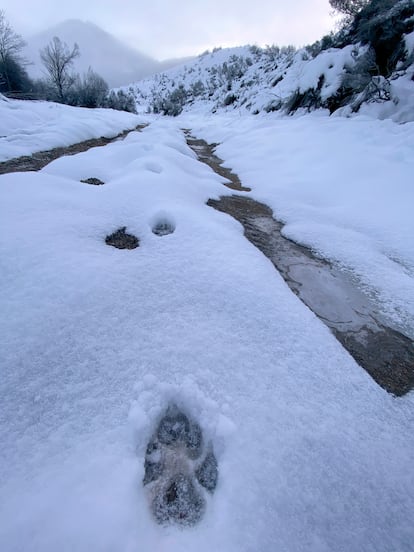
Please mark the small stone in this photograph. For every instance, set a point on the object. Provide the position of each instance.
(93, 181)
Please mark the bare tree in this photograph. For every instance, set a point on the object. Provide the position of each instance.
(58, 58)
(11, 45)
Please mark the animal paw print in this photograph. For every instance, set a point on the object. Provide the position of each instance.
(179, 468)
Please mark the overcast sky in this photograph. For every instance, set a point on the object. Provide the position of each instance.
(166, 28)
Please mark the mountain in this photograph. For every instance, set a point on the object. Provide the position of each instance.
(173, 62)
(367, 66)
(116, 62)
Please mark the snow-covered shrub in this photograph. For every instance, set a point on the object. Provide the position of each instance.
(90, 91)
(348, 7)
(197, 89)
(309, 99)
(382, 24)
(172, 102)
(327, 41)
(229, 99)
(377, 90)
(120, 101)
(273, 105)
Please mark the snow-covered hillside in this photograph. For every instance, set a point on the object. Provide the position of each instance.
(339, 73)
(246, 77)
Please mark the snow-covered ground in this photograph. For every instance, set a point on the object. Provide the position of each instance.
(27, 127)
(312, 454)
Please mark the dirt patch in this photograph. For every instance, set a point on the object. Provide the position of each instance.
(205, 153)
(385, 353)
(40, 159)
(121, 240)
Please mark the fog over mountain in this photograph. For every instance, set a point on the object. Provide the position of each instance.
(118, 63)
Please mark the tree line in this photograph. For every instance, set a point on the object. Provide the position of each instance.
(61, 84)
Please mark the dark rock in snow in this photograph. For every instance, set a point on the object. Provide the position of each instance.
(121, 240)
(93, 181)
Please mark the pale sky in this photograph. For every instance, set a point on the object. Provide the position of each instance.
(167, 29)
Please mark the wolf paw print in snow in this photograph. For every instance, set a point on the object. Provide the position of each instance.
(180, 468)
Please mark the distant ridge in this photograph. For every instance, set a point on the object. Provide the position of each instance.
(115, 61)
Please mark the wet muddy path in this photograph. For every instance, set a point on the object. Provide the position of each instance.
(40, 159)
(205, 154)
(385, 353)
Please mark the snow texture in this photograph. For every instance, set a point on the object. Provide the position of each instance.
(96, 342)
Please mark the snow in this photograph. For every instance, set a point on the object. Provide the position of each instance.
(409, 41)
(312, 454)
(27, 127)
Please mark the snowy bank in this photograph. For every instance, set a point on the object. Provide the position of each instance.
(27, 127)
